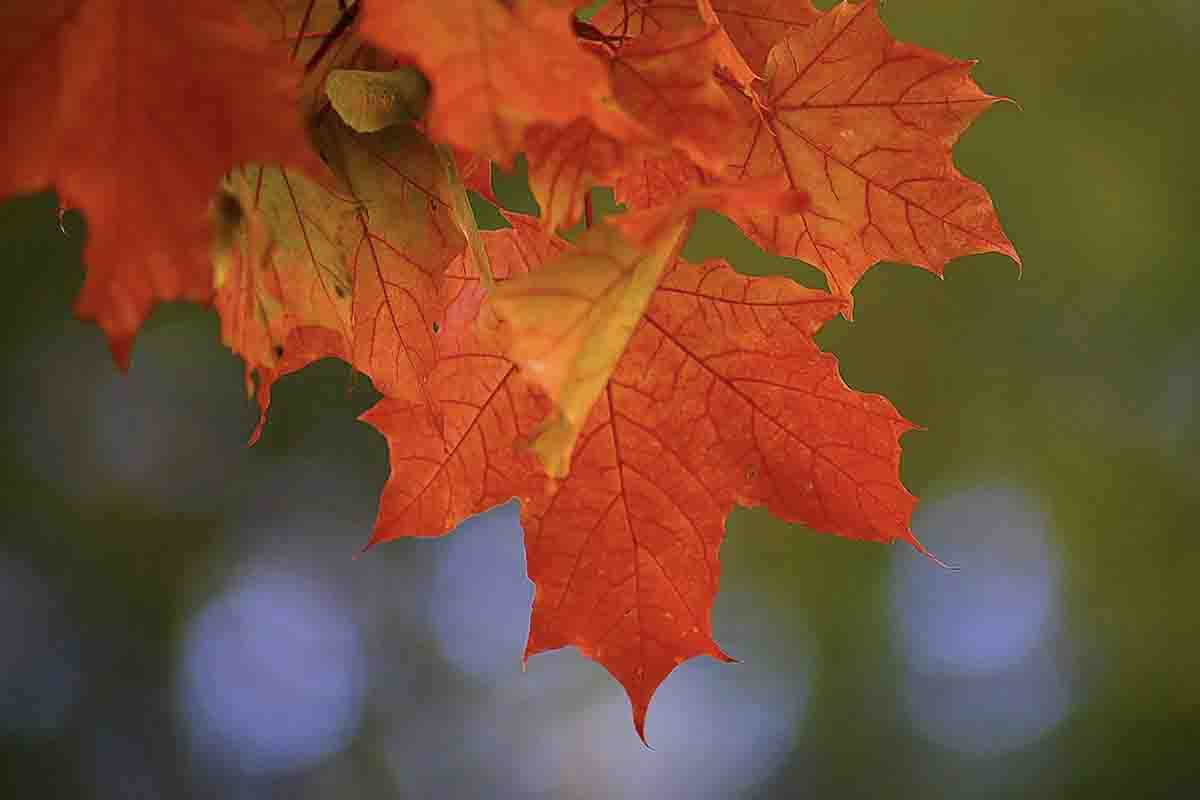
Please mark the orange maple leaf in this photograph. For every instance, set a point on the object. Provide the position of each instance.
(721, 398)
(132, 110)
(865, 124)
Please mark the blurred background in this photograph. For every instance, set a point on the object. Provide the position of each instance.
(181, 616)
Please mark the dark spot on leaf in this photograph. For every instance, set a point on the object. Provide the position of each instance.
(341, 293)
(436, 327)
(278, 350)
(229, 210)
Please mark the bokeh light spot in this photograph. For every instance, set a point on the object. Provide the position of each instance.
(982, 642)
(272, 675)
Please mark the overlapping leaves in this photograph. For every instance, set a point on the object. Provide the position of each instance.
(628, 398)
(720, 397)
(865, 124)
(356, 263)
(132, 110)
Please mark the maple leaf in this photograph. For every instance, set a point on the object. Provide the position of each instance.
(360, 258)
(132, 110)
(720, 397)
(865, 124)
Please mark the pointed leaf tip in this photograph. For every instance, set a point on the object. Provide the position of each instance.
(121, 348)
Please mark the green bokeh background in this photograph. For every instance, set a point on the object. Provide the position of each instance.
(1077, 380)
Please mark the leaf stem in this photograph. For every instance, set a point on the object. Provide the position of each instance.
(465, 216)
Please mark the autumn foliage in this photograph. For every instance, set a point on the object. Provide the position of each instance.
(307, 167)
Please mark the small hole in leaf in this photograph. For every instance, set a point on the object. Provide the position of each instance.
(436, 327)
(278, 350)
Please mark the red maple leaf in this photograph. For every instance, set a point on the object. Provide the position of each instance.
(865, 124)
(132, 110)
(721, 398)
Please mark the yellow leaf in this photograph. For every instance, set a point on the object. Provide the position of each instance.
(570, 322)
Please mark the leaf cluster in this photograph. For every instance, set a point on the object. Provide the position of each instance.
(307, 167)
